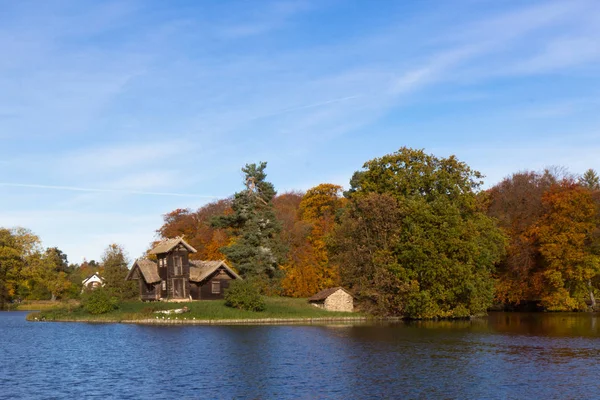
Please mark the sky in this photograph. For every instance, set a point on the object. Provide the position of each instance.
(113, 114)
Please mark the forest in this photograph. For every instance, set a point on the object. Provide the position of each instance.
(414, 235)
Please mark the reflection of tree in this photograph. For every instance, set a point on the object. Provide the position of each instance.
(545, 324)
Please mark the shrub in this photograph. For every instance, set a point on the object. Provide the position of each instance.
(244, 295)
(99, 301)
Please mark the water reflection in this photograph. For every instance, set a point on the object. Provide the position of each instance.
(503, 356)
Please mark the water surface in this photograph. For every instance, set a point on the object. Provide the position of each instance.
(550, 356)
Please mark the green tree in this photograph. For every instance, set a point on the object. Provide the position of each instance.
(255, 250)
(114, 263)
(435, 250)
(12, 262)
(590, 180)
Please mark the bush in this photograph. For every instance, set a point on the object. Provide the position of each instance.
(99, 301)
(244, 295)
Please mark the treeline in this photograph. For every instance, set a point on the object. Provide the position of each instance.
(30, 272)
(415, 235)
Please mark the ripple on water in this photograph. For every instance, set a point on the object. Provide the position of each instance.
(505, 356)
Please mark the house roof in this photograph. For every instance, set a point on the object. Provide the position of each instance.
(323, 294)
(200, 270)
(169, 244)
(91, 276)
(147, 269)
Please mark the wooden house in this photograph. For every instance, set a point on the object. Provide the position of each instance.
(93, 281)
(173, 276)
(333, 299)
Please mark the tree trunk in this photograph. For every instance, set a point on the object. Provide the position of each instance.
(591, 289)
(53, 297)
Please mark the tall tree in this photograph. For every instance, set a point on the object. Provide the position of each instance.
(590, 180)
(256, 250)
(114, 263)
(12, 262)
(308, 268)
(564, 233)
(444, 248)
(516, 203)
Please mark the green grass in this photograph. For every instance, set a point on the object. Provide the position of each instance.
(276, 307)
(42, 305)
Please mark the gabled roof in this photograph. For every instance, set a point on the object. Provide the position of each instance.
(147, 269)
(323, 294)
(169, 244)
(91, 276)
(200, 270)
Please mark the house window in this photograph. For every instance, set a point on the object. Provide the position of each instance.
(164, 285)
(178, 265)
(216, 287)
(162, 262)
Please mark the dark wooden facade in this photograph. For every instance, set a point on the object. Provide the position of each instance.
(174, 276)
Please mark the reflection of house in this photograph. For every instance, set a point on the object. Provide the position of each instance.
(175, 276)
(93, 281)
(334, 299)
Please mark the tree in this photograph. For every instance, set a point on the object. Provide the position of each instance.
(564, 234)
(12, 262)
(114, 263)
(255, 250)
(198, 229)
(435, 249)
(590, 180)
(516, 203)
(308, 268)
(47, 275)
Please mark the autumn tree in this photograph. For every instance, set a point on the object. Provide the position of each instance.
(198, 230)
(565, 232)
(255, 250)
(48, 275)
(438, 258)
(516, 203)
(308, 268)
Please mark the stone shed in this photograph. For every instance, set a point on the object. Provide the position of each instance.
(333, 299)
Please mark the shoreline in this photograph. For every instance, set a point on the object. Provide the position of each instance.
(205, 322)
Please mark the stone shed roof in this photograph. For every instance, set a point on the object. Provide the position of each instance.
(200, 270)
(323, 294)
(169, 244)
(147, 269)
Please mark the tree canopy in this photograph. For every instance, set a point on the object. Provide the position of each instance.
(415, 241)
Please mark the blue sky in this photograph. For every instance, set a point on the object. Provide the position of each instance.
(114, 113)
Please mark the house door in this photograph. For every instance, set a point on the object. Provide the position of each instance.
(178, 289)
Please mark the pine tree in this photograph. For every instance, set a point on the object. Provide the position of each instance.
(255, 250)
(590, 180)
(114, 262)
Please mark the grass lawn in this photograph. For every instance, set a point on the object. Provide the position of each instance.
(40, 305)
(276, 307)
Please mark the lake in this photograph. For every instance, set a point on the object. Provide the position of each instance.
(505, 356)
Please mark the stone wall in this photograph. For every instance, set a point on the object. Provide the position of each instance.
(339, 301)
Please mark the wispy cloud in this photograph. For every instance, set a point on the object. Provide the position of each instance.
(264, 19)
(97, 190)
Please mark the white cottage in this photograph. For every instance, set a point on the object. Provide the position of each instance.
(93, 281)
(333, 299)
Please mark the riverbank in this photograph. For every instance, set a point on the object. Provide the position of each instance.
(279, 310)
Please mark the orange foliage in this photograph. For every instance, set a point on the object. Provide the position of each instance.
(308, 269)
(564, 233)
(198, 230)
